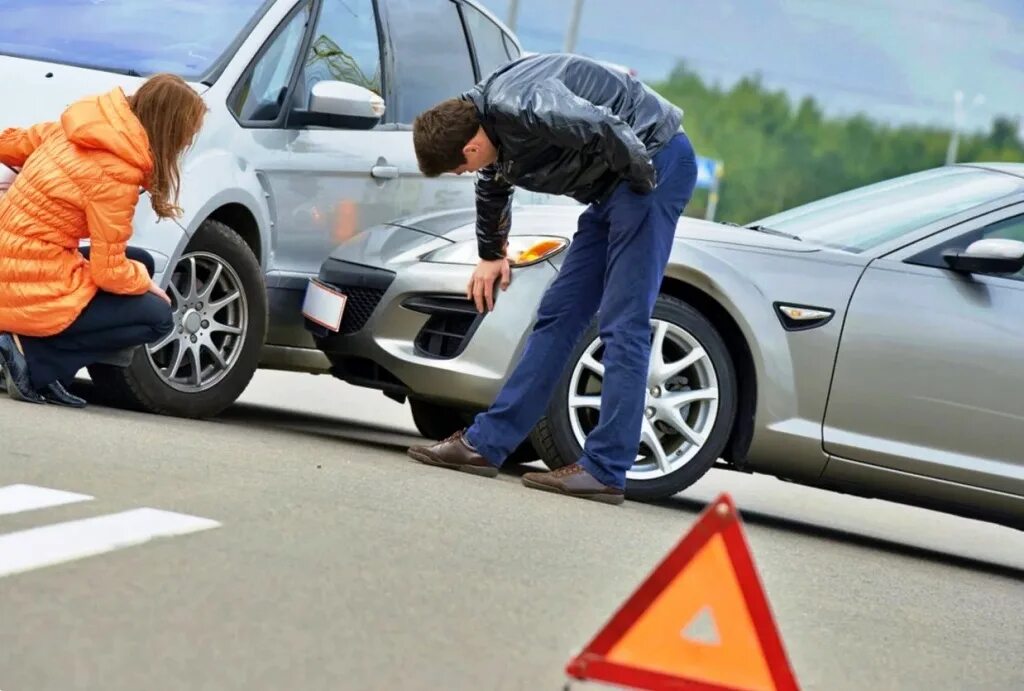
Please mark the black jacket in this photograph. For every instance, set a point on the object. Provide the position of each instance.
(566, 125)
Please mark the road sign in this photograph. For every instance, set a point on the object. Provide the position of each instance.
(707, 172)
(700, 621)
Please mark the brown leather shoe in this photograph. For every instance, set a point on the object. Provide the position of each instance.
(456, 454)
(574, 481)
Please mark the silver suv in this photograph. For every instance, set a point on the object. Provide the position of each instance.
(308, 142)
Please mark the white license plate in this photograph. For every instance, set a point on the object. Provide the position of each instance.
(324, 305)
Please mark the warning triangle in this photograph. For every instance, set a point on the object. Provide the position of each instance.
(699, 621)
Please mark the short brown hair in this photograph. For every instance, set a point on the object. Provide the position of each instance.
(439, 134)
(171, 112)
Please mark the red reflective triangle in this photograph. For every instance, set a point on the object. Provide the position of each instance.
(700, 621)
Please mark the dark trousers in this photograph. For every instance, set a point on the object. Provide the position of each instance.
(109, 324)
(614, 267)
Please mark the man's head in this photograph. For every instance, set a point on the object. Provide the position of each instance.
(448, 139)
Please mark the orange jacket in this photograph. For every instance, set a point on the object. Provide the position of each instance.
(78, 179)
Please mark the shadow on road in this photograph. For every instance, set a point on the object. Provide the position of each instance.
(398, 440)
(767, 520)
(321, 426)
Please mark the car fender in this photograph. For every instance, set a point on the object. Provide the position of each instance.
(793, 370)
(217, 178)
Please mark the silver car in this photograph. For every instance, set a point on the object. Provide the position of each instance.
(871, 342)
(308, 142)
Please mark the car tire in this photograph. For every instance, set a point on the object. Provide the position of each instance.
(559, 441)
(140, 386)
(438, 422)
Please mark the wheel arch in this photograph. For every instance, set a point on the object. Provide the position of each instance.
(217, 186)
(742, 432)
(240, 219)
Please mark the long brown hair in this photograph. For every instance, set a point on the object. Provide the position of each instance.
(171, 113)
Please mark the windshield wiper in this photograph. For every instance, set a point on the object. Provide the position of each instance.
(772, 231)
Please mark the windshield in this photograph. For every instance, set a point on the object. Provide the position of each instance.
(870, 216)
(185, 37)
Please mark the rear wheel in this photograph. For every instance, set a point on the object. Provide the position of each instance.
(689, 411)
(220, 316)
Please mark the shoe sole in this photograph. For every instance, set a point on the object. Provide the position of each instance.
(428, 459)
(76, 406)
(12, 389)
(614, 499)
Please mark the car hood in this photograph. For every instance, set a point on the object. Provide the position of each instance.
(39, 91)
(460, 225)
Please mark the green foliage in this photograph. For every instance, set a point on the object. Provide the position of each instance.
(778, 154)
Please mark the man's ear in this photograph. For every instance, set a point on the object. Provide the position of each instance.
(470, 148)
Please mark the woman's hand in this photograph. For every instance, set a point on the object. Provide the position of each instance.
(159, 292)
(481, 286)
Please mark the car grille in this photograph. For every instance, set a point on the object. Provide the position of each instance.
(450, 326)
(359, 307)
(363, 286)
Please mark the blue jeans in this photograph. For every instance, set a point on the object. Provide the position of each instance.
(614, 267)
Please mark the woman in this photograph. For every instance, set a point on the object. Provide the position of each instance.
(80, 178)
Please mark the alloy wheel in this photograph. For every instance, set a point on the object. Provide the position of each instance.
(210, 324)
(681, 403)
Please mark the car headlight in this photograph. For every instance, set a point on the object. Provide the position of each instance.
(523, 250)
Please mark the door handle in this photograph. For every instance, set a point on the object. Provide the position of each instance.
(384, 172)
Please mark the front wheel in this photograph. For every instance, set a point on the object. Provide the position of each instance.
(689, 409)
(220, 323)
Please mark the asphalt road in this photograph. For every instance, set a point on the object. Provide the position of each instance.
(306, 552)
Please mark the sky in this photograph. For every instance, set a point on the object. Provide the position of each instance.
(898, 61)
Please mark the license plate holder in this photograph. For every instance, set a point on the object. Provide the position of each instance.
(324, 305)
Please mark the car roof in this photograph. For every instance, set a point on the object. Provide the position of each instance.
(1015, 169)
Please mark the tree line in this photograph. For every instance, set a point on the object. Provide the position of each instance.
(778, 153)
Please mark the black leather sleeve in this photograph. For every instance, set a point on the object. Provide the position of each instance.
(493, 212)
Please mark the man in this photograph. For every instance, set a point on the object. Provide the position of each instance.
(567, 125)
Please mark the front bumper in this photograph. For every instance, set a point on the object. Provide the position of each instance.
(409, 330)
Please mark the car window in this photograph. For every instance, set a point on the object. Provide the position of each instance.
(510, 47)
(1009, 229)
(873, 215)
(345, 46)
(430, 65)
(260, 96)
(488, 41)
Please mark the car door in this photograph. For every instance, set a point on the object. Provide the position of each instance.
(340, 181)
(929, 377)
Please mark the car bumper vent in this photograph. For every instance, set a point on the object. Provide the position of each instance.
(450, 326)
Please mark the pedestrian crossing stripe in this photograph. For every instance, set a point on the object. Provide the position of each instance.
(58, 543)
(19, 498)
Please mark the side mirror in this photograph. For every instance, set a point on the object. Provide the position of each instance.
(345, 105)
(988, 256)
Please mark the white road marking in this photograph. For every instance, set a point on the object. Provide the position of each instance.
(18, 498)
(62, 542)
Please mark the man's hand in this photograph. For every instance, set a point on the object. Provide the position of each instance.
(159, 292)
(481, 286)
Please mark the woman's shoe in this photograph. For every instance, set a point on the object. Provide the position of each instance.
(19, 386)
(56, 393)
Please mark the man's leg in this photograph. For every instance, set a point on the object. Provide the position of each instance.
(641, 229)
(565, 311)
(640, 241)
